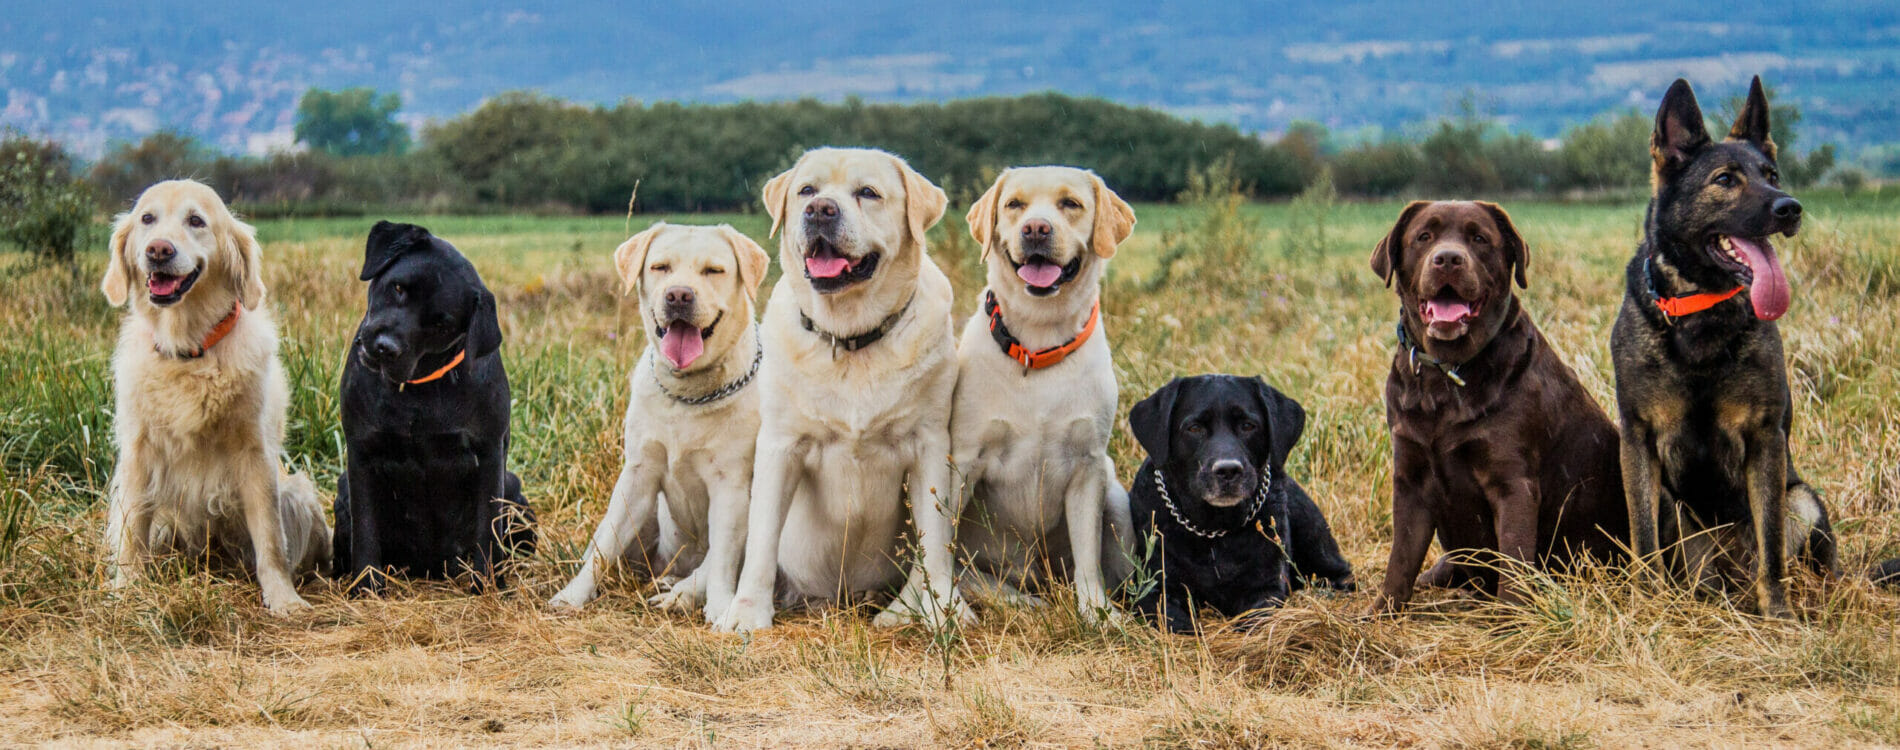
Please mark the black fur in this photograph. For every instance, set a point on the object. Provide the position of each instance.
(427, 477)
(1187, 427)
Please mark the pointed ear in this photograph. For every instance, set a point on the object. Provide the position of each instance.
(1680, 131)
(1114, 220)
(1751, 125)
(1391, 250)
(1516, 252)
(117, 284)
(484, 327)
(1151, 421)
(387, 241)
(752, 261)
(777, 190)
(982, 216)
(631, 257)
(924, 202)
(240, 240)
(1285, 417)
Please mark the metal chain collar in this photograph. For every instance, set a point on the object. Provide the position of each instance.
(1259, 499)
(728, 389)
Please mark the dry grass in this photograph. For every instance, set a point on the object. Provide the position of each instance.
(1605, 659)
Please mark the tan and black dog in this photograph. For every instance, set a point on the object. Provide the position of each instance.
(1700, 378)
(1496, 446)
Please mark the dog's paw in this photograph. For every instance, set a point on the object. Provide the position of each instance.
(678, 599)
(287, 605)
(1103, 615)
(745, 615)
(902, 612)
(569, 600)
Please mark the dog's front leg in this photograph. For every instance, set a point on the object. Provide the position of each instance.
(1087, 493)
(129, 518)
(628, 512)
(1411, 528)
(263, 518)
(776, 472)
(934, 507)
(718, 574)
(1642, 484)
(1513, 498)
(1766, 469)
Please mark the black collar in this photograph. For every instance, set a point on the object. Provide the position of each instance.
(1416, 354)
(859, 341)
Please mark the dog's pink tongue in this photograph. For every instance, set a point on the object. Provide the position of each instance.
(682, 344)
(164, 285)
(827, 266)
(1040, 274)
(1445, 311)
(1769, 291)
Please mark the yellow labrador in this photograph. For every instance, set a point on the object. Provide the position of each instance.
(1035, 397)
(201, 399)
(854, 397)
(692, 416)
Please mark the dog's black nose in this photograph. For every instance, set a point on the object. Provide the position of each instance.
(1228, 470)
(678, 297)
(161, 250)
(1787, 208)
(1037, 230)
(384, 347)
(1448, 258)
(823, 210)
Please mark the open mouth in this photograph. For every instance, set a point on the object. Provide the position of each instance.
(832, 271)
(681, 342)
(166, 288)
(1041, 277)
(1448, 314)
(1753, 262)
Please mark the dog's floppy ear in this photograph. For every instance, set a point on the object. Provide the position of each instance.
(484, 326)
(388, 241)
(982, 216)
(117, 284)
(1385, 257)
(752, 260)
(1752, 124)
(1114, 220)
(777, 190)
(1516, 252)
(240, 240)
(631, 257)
(923, 201)
(1285, 417)
(1151, 421)
(1680, 131)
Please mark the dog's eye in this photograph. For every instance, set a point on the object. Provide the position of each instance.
(712, 270)
(1070, 204)
(1013, 204)
(147, 218)
(1480, 239)
(660, 267)
(868, 194)
(1424, 237)
(195, 221)
(1774, 177)
(1724, 179)
(1248, 425)
(399, 290)
(1195, 428)
(808, 191)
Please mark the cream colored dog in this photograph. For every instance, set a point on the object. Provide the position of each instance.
(692, 416)
(1035, 398)
(201, 399)
(854, 399)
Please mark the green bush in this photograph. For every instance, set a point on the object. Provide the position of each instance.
(44, 209)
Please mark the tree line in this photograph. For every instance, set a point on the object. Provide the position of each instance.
(524, 151)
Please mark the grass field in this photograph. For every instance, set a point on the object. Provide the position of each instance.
(1606, 659)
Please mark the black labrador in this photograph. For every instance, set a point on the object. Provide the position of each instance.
(1215, 499)
(426, 491)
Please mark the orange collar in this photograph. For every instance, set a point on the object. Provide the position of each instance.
(1677, 307)
(218, 332)
(1035, 360)
(437, 375)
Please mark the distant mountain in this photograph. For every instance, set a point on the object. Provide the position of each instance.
(230, 71)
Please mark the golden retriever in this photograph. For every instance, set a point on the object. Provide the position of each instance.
(200, 400)
(854, 397)
(692, 414)
(1035, 397)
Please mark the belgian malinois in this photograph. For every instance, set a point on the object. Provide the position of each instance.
(1700, 378)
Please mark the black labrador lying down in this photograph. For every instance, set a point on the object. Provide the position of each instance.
(1232, 531)
(426, 491)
